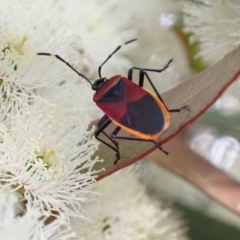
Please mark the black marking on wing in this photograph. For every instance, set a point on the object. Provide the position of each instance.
(144, 116)
(114, 94)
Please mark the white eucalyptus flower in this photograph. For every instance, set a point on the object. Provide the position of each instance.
(69, 30)
(32, 225)
(17, 223)
(126, 212)
(10, 206)
(46, 157)
(158, 41)
(37, 28)
(102, 26)
(215, 24)
(74, 98)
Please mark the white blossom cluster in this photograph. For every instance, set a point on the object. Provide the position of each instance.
(215, 25)
(46, 145)
(128, 213)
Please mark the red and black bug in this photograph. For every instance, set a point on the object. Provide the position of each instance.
(128, 105)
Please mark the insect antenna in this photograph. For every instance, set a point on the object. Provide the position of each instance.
(68, 64)
(100, 67)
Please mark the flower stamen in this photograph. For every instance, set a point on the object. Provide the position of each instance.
(20, 46)
(47, 157)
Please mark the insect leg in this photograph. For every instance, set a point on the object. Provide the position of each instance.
(102, 124)
(113, 139)
(143, 140)
(130, 71)
(100, 67)
(141, 81)
(115, 132)
(143, 72)
(105, 120)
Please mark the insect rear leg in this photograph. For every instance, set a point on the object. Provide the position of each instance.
(143, 140)
(102, 124)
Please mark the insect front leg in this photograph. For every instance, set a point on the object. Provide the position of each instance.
(102, 124)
